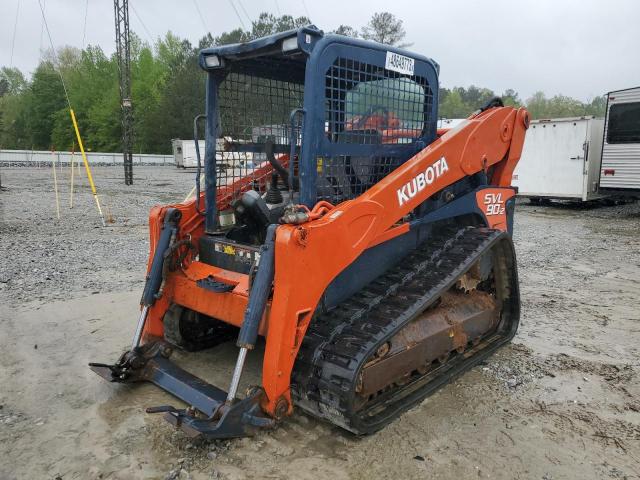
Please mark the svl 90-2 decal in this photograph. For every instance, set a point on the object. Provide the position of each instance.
(492, 203)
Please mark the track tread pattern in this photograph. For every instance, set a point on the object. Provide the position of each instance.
(340, 341)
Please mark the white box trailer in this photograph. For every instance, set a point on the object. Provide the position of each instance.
(561, 159)
(184, 154)
(620, 171)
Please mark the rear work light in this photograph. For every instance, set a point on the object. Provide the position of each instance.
(212, 61)
(290, 43)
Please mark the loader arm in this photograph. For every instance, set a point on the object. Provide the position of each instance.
(321, 249)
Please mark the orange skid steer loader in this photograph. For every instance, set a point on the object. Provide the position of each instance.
(369, 249)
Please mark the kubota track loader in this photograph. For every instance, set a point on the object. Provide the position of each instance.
(371, 251)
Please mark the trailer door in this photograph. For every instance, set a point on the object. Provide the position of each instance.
(553, 160)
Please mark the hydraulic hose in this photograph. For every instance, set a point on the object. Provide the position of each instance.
(282, 172)
(494, 102)
(154, 278)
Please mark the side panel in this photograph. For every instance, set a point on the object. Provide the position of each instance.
(594, 159)
(553, 159)
(372, 263)
(486, 205)
(620, 162)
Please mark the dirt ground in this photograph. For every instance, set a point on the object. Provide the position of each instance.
(561, 402)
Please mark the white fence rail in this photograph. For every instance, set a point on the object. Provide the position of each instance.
(36, 158)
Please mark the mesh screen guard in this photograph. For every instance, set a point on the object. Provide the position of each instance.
(373, 121)
(252, 109)
(367, 105)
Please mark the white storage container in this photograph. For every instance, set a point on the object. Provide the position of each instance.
(561, 159)
(184, 152)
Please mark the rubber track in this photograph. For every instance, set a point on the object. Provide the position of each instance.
(339, 342)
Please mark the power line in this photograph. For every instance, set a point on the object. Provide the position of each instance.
(278, 7)
(55, 55)
(304, 4)
(84, 27)
(13, 39)
(73, 116)
(245, 11)
(204, 24)
(135, 12)
(237, 14)
(42, 33)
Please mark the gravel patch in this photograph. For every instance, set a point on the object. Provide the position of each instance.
(50, 259)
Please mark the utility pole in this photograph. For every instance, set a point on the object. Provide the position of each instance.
(121, 8)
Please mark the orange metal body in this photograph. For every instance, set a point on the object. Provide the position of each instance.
(309, 256)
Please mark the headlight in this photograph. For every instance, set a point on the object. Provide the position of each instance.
(289, 44)
(212, 61)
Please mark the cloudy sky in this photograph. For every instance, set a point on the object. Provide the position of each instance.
(577, 48)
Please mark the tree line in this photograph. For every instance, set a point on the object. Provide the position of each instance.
(459, 102)
(168, 90)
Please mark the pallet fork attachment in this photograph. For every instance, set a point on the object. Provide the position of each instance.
(212, 412)
(209, 413)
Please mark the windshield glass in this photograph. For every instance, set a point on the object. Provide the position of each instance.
(397, 102)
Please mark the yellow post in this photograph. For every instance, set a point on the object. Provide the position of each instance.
(193, 190)
(86, 166)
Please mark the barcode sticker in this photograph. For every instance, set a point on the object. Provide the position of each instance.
(400, 63)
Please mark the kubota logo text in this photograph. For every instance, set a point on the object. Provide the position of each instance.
(417, 184)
